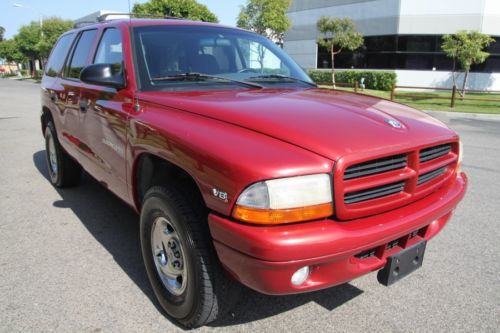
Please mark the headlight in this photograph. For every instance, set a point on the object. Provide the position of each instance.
(286, 200)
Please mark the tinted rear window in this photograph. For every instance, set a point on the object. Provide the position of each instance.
(80, 54)
(58, 55)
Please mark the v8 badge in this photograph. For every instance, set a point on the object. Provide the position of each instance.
(219, 194)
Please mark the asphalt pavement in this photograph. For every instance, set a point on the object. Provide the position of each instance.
(70, 259)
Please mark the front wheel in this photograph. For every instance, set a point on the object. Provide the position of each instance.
(180, 260)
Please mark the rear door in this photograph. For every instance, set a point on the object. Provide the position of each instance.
(53, 95)
(69, 96)
(104, 119)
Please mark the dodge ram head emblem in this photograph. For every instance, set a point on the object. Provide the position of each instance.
(394, 123)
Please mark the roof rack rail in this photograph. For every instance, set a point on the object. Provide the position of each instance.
(83, 24)
(104, 17)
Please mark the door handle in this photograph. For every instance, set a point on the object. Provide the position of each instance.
(84, 106)
(70, 97)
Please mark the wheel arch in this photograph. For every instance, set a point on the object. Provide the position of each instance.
(45, 117)
(150, 170)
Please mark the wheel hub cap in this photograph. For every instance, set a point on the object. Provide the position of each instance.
(168, 256)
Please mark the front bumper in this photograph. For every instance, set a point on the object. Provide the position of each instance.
(264, 258)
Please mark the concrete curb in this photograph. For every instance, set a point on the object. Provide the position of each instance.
(18, 79)
(465, 115)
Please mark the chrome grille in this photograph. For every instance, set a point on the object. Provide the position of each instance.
(373, 193)
(367, 187)
(430, 175)
(434, 152)
(375, 166)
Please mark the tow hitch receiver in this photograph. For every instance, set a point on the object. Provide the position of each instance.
(401, 264)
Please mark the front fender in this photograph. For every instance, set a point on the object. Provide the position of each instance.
(216, 154)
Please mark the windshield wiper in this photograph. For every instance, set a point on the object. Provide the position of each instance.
(282, 78)
(192, 76)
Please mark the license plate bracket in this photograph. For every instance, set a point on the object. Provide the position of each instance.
(402, 263)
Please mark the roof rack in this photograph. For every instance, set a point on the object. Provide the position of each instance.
(104, 17)
(83, 24)
(108, 17)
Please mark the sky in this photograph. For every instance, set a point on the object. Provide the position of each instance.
(11, 17)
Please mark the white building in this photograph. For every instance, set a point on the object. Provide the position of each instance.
(400, 35)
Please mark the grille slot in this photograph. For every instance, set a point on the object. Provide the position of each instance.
(392, 244)
(430, 175)
(375, 166)
(434, 152)
(373, 193)
(366, 254)
(401, 242)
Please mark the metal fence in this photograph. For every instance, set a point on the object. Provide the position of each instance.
(452, 98)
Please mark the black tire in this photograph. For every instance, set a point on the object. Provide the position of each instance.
(63, 170)
(208, 292)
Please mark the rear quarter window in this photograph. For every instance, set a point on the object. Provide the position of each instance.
(58, 55)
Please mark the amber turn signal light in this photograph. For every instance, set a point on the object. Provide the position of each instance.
(282, 216)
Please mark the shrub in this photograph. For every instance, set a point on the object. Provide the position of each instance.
(38, 73)
(320, 76)
(377, 80)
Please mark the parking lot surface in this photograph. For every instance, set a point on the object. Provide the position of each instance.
(70, 259)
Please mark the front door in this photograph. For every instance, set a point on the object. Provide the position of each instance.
(104, 118)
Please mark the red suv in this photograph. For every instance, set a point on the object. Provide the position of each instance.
(242, 169)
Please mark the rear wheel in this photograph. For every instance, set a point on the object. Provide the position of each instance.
(63, 170)
(180, 260)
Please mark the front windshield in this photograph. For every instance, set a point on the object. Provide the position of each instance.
(200, 57)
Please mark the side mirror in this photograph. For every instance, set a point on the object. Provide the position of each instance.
(103, 75)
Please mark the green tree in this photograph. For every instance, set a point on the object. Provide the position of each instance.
(27, 40)
(466, 48)
(188, 9)
(2, 32)
(266, 17)
(35, 42)
(338, 34)
(53, 28)
(9, 50)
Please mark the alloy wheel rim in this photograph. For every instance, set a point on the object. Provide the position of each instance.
(168, 256)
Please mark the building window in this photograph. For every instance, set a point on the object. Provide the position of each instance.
(415, 52)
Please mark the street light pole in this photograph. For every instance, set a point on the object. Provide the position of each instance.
(40, 15)
(40, 21)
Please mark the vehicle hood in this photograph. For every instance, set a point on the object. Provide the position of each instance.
(330, 123)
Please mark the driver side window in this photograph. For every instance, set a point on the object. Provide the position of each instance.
(110, 49)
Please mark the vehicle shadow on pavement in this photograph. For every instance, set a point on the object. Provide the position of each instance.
(116, 227)
(109, 220)
(254, 306)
